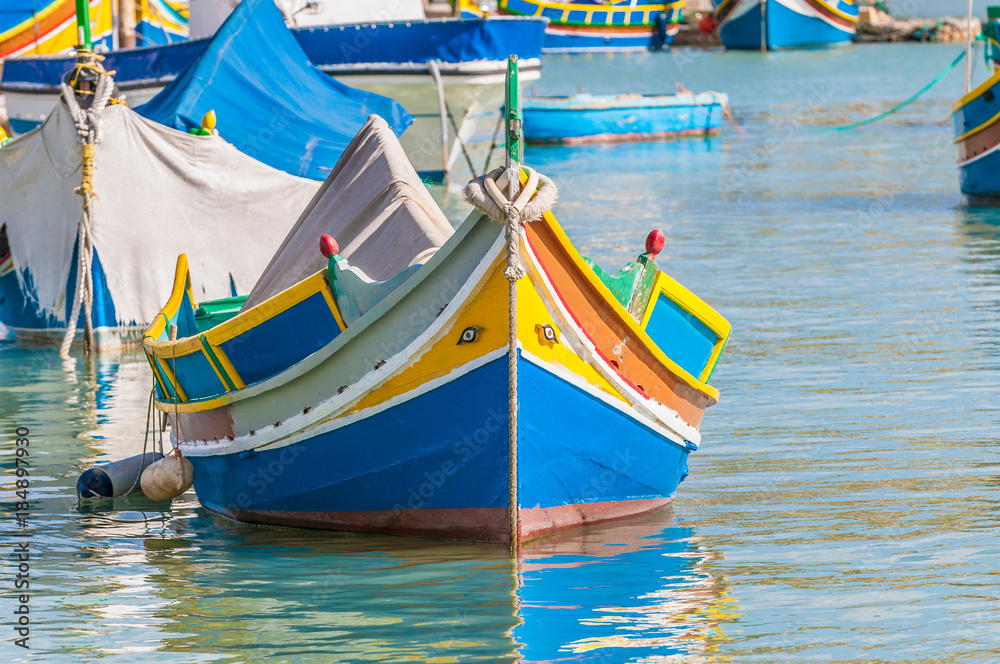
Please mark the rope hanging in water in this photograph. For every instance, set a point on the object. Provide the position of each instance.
(899, 107)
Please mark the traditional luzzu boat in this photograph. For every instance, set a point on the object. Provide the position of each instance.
(777, 24)
(445, 72)
(597, 25)
(487, 384)
(97, 276)
(33, 27)
(585, 118)
(976, 119)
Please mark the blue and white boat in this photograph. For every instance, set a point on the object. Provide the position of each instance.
(585, 118)
(584, 26)
(977, 130)
(777, 24)
(385, 47)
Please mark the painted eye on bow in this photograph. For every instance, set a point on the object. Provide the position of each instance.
(469, 335)
(547, 334)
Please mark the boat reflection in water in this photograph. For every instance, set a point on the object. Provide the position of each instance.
(187, 581)
(633, 591)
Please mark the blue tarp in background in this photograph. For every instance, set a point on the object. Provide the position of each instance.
(270, 101)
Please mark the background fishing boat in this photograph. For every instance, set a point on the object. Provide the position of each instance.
(40, 27)
(585, 118)
(437, 384)
(596, 25)
(445, 72)
(975, 116)
(777, 24)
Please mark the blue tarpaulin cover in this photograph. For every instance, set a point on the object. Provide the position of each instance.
(270, 101)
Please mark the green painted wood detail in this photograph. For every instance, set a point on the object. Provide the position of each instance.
(83, 22)
(211, 313)
(632, 285)
(214, 359)
(512, 106)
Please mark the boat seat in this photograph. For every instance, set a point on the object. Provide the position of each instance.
(356, 293)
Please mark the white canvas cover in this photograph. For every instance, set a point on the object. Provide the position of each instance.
(160, 193)
(374, 204)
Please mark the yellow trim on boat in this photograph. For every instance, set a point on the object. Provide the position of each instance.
(234, 375)
(182, 284)
(216, 369)
(977, 91)
(174, 383)
(834, 10)
(251, 318)
(227, 330)
(28, 24)
(973, 132)
(532, 312)
(633, 325)
(695, 306)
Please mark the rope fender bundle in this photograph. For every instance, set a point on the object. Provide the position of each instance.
(485, 193)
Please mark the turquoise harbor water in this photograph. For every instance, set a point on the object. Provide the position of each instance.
(845, 503)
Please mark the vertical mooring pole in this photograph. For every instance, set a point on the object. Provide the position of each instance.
(83, 25)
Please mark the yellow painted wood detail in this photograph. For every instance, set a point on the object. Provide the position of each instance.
(485, 309)
(976, 92)
(165, 350)
(695, 306)
(833, 10)
(972, 132)
(637, 333)
(531, 312)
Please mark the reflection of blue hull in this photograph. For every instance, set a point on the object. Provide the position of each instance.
(554, 120)
(629, 592)
(785, 29)
(421, 474)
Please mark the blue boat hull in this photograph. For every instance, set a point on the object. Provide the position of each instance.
(620, 124)
(560, 40)
(408, 471)
(977, 136)
(981, 178)
(785, 29)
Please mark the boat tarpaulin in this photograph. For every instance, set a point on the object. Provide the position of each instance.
(374, 205)
(158, 193)
(270, 101)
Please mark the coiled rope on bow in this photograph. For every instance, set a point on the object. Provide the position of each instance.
(89, 126)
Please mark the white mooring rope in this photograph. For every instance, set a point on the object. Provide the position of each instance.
(485, 193)
(89, 127)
